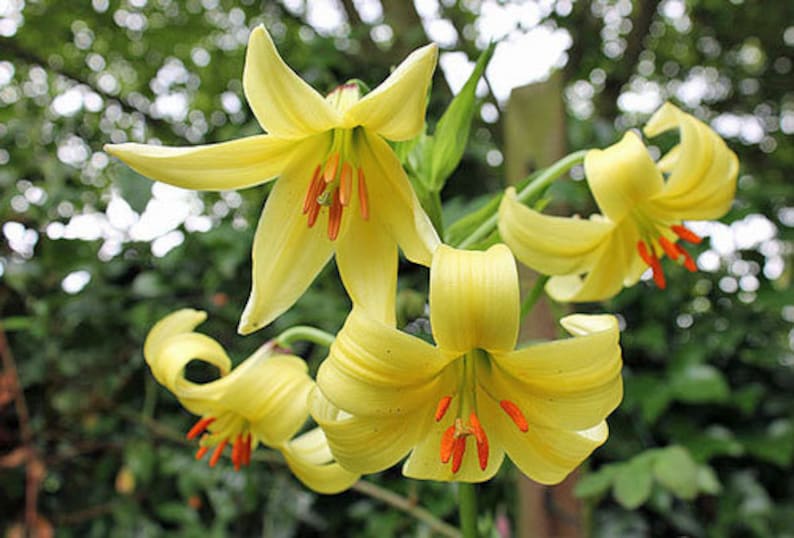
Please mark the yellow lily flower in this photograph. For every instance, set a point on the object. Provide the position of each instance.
(643, 205)
(382, 393)
(263, 400)
(331, 157)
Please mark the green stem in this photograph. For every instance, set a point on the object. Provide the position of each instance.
(467, 508)
(533, 189)
(305, 333)
(533, 295)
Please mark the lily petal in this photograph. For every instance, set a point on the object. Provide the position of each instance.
(393, 202)
(310, 459)
(367, 260)
(549, 244)
(474, 299)
(229, 165)
(396, 108)
(287, 254)
(546, 455)
(367, 444)
(614, 266)
(703, 171)
(622, 176)
(282, 102)
(424, 463)
(375, 370)
(571, 384)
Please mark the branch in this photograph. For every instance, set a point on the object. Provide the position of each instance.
(33, 466)
(23, 54)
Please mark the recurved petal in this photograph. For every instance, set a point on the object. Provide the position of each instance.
(367, 444)
(549, 244)
(396, 108)
(393, 202)
(424, 463)
(310, 459)
(375, 370)
(613, 267)
(287, 254)
(571, 384)
(546, 455)
(622, 176)
(703, 170)
(474, 299)
(229, 165)
(367, 260)
(282, 102)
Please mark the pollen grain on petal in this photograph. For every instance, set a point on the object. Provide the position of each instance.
(515, 414)
(441, 409)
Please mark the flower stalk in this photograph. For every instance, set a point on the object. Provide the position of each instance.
(467, 509)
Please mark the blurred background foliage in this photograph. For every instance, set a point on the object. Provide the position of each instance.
(93, 254)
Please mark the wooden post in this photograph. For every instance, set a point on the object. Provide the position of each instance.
(534, 125)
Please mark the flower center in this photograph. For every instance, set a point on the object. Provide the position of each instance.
(332, 182)
(228, 428)
(453, 440)
(656, 239)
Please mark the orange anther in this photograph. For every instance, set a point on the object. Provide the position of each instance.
(482, 441)
(199, 427)
(447, 443)
(658, 274)
(515, 414)
(443, 405)
(689, 263)
(201, 451)
(335, 217)
(216, 455)
(686, 234)
(313, 191)
(363, 197)
(644, 254)
(458, 449)
(345, 184)
(669, 248)
(237, 452)
(331, 165)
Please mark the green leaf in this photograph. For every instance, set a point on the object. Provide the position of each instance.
(594, 484)
(707, 480)
(633, 482)
(699, 383)
(452, 130)
(675, 469)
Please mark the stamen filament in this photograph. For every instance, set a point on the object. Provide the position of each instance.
(199, 427)
(515, 414)
(441, 409)
(216, 455)
(363, 198)
(686, 234)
